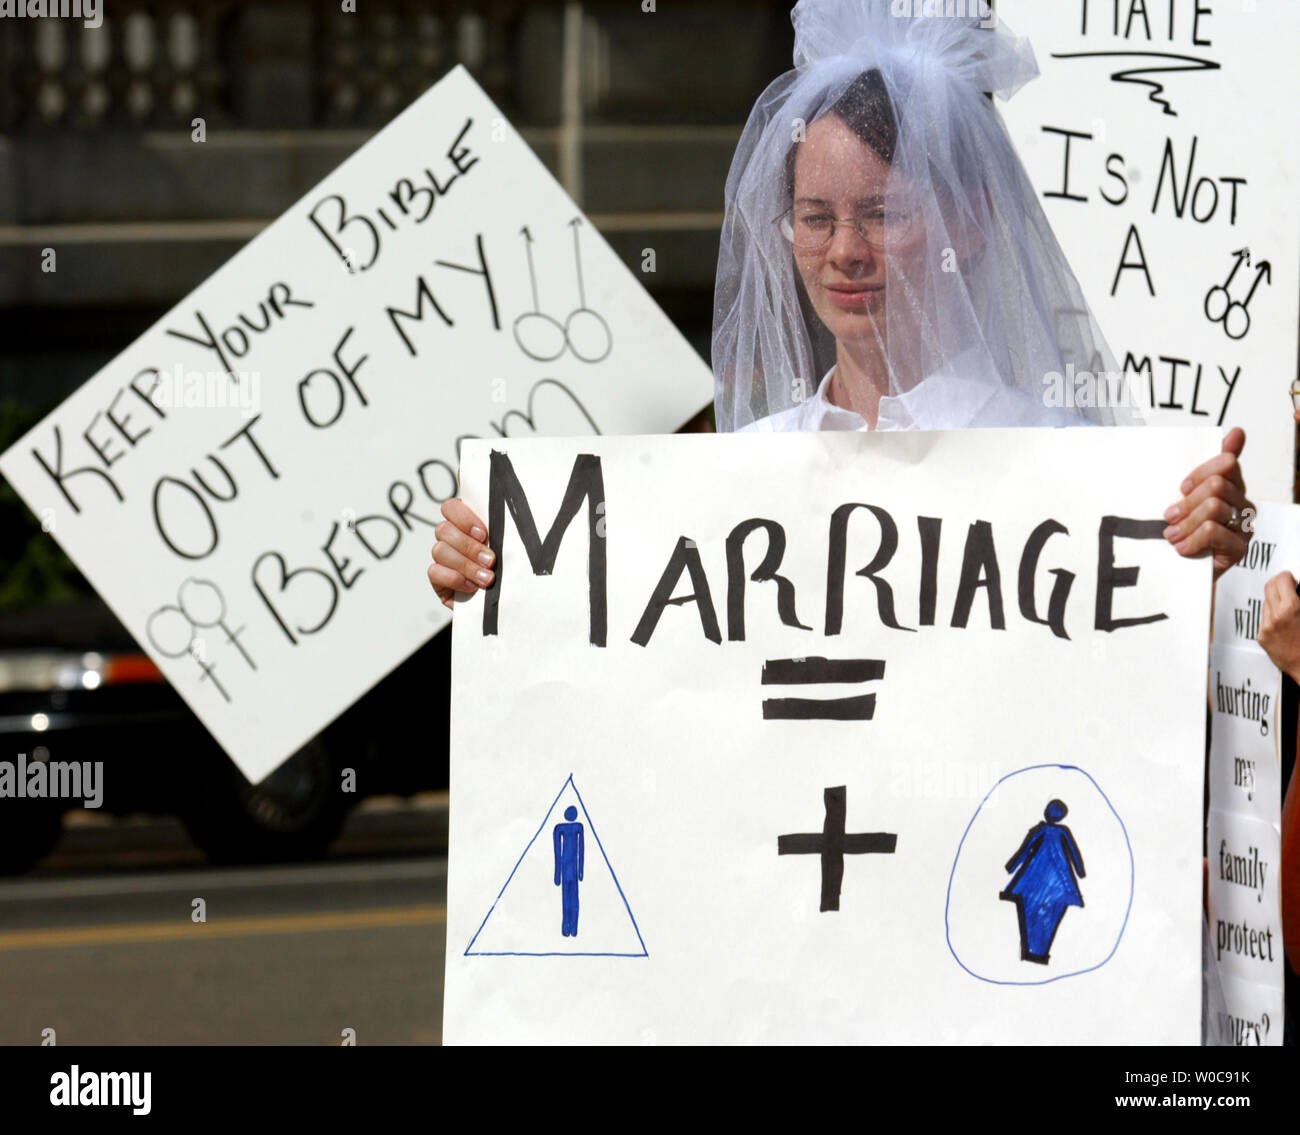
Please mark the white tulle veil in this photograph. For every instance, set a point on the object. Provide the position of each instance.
(983, 285)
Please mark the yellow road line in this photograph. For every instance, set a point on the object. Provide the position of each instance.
(178, 931)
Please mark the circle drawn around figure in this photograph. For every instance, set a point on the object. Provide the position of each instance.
(1019, 909)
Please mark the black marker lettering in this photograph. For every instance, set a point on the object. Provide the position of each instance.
(504, 490)
(765, 572)
(1110, 577)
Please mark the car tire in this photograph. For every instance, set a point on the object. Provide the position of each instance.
(294, 814)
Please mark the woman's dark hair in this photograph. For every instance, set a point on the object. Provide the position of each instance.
(866, 108)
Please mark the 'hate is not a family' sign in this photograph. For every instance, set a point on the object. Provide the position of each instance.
(1156, 136)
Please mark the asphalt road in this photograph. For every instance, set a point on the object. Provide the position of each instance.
(105, 952)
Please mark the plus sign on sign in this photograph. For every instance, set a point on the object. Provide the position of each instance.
(832, 736)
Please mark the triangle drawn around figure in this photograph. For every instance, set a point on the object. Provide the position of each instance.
(561, 898)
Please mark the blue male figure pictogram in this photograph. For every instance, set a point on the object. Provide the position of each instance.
(568, 869)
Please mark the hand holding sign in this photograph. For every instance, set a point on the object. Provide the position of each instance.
(461, 557)
(1209, 515)
(1279, 630)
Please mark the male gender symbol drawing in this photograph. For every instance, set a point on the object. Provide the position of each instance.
(1044, 886)
(568, 869)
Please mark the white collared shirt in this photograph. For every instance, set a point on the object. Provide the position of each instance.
(974, 400)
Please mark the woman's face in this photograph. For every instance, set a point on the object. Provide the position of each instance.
(837, 174)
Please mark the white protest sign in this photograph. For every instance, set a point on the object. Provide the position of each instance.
(1158, 138)
(1245, 690)
(1245, 919)
(1255, 1015)
(1245, 697)
(1243, 839)
(1244, 836)
(253, 484)
(1239, 594)
(822, 737)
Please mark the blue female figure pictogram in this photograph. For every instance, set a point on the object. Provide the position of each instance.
(1044, 886)
(568, 869)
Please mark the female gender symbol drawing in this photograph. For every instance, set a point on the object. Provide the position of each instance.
(172, 628)
(1045, 886)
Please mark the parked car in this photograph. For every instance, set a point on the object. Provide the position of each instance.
(75, 687)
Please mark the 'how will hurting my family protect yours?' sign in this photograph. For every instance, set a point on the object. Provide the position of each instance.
(829, 736)
(1157, 136)
(253, 485)
(1243, 837)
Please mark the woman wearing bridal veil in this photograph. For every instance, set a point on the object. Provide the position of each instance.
(885, 264)
(879, 223)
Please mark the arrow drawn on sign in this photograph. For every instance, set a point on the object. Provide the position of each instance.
(532, 273)
(576, 224)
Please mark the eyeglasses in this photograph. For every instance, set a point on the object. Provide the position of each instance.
(882, 229)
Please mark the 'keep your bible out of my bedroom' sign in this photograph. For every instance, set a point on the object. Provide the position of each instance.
(253, 484)
(829, 737)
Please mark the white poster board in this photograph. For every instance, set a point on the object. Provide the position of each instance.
(253, 484)
(1244, 834)
(1159, 140)
(1239, 595)
(752, 733)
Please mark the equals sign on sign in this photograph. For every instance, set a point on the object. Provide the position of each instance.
(814, 671)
